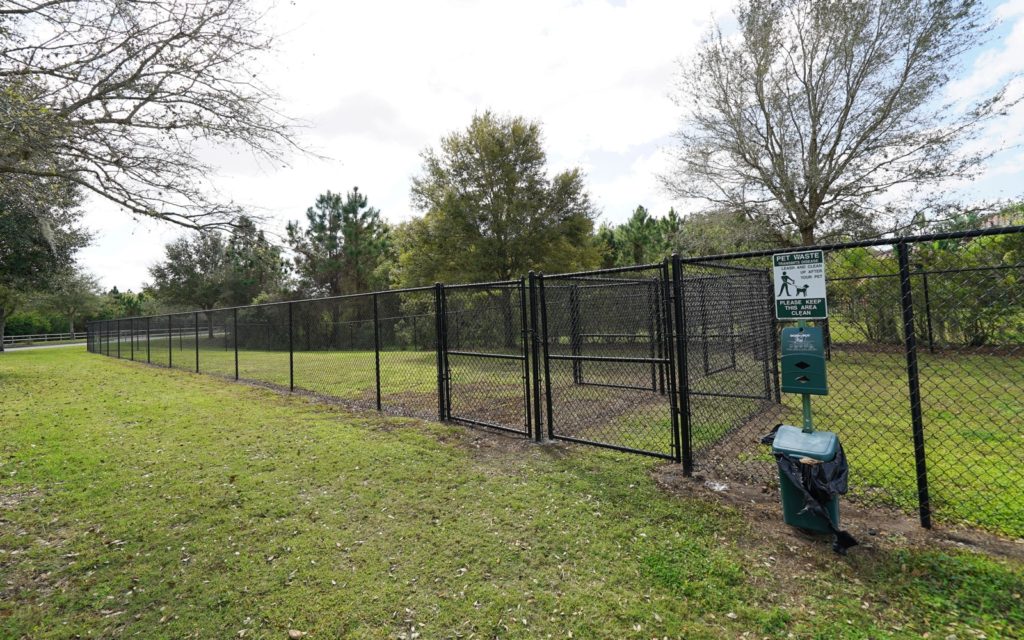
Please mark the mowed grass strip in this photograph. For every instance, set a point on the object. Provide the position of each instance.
(141, 502)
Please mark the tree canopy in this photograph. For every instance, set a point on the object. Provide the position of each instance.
(39, 236)
(342, 245)
(192, 273)
(817, 109)
(120, 98)
(490, 211)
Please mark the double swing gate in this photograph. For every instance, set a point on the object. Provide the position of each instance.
(641, 359)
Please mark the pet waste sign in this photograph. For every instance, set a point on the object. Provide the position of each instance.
(800, 285)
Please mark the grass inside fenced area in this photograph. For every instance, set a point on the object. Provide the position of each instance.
(973, 423)
(146, 502)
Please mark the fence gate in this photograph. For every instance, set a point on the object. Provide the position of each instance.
(731, 372)
(609, 377)
(484, 350)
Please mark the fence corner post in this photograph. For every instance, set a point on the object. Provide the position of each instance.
(234, 329)
(538, 420)
(543, 310)
(682, 365)
(525, 338)
(914, 384)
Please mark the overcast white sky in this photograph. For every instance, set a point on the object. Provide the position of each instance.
(379, 81)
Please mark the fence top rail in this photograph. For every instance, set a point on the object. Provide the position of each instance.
(481, 285)
(608, 271)
(46, 336)
(928, 237)
(727, 267)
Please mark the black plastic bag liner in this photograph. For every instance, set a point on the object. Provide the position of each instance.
(819, 482)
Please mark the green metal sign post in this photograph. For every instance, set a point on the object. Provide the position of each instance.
(806, 397)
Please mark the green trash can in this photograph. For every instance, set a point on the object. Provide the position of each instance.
(818, 445)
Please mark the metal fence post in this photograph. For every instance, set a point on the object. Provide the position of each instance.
(119, 338)
(547, 360)
(652, 349)
(535, 359)
(234, 328)
(682, 365)
(148, 353)
(131, 339)
(170, 343)
(444, 352)
(525, 337)
(439, 331)
(913, 380)
(376, 346)
(291, 349)
(665, 329)
(195, 330)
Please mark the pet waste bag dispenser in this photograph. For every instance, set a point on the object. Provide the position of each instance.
(807, 459)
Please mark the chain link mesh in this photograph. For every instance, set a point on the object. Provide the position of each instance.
(606, 338)
(485, 357)
(408, 352)
(966, 304)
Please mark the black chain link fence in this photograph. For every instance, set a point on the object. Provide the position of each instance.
(679, 360)
(925, 364)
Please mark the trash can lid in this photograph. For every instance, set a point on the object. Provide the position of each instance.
(820, 445)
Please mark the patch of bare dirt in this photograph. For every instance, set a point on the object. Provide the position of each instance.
(875, 528)
(734, 456)
(11, 497)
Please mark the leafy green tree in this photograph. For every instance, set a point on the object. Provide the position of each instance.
(127, 304)
(39, 236)
(638, 239)
(342, 246)
(607, 246)
(254, 267)
(193, 273)
(976, 288)
(714, 232)
(73, 294)
(817, 109)
(490, 210)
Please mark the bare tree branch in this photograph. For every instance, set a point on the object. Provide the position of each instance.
(815, 109)
(118, 97)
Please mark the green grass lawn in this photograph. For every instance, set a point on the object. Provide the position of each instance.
(145, 502)
(972, 405)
